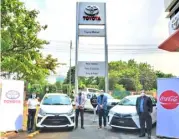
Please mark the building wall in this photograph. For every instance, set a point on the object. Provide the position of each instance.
(168, 4)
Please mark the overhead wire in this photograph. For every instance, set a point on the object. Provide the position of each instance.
(63, 46)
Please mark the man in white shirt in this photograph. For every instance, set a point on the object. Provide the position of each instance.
(80, 102)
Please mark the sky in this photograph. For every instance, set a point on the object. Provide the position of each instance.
(131, 25)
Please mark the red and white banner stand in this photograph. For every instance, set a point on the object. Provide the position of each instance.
(168, 107)
(11, 105)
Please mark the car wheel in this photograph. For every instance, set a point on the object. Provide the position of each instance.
(71, 128)
(114, 128)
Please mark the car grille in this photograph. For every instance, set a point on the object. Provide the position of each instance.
(114, 103)
(56, 120)
(122, 115)
(122, 120)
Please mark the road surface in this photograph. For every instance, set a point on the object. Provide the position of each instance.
(91, 131)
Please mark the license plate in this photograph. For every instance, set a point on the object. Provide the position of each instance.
(56, 122)
(121, 122)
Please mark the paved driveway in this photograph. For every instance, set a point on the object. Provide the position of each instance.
(91, 131)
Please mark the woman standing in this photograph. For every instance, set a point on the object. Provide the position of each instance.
(94, 104)
(32, 104)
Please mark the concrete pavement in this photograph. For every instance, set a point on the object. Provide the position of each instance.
(91, 131)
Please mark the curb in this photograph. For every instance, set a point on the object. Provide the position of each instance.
(9, 134)
(31, 135)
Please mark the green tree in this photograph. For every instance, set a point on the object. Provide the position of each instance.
(147, 76)
(20, 46)
(160, 74)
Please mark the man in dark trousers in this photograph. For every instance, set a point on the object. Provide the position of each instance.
(94, 103)
(102, 109)
(144, 109)
(80, 102)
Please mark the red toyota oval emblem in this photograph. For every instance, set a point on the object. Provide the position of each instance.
(169, 99)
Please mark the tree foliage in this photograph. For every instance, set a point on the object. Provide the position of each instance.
(20, 45)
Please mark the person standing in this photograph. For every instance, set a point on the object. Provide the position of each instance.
(144, 109)
(102, 109)
(32, 104)
(80, 102)
(94, 103)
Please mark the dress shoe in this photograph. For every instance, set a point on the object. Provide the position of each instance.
(149, 136)
(82, 128)
(142, 135)
(76, 127)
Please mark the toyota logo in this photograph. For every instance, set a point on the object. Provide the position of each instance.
(91, 10)
(12, 94)
(175, 23)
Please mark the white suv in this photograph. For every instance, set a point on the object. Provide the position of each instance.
(55, 111)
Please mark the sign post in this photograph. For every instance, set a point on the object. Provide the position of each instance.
(91, 13)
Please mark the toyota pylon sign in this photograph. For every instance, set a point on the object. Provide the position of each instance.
(168, 107)
(91, 13)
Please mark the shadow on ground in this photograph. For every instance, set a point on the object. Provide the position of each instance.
(52, 130)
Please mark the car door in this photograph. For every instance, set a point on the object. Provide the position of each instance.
(154, 113)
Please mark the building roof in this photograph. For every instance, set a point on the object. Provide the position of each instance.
(172, 43)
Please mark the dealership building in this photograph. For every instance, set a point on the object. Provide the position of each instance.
(171, 44)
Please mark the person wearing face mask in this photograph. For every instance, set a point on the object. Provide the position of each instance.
(80, 102)
(102, 109)
(32, 104)
(144, 109)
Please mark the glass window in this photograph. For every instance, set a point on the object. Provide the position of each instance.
(129, 101)
(93, 90)
(108, 96)
(56, 100)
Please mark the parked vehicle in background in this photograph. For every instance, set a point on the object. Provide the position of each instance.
(89, 90)
(55, 111)
(124, 114)
(111, 102)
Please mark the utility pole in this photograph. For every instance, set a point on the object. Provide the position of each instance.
(70, 64)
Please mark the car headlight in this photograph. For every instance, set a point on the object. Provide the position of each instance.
(42, 112)
(111, 112)
(70, 112)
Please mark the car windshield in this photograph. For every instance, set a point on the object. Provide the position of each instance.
(128, 101)
(56, 100)
(108, 96)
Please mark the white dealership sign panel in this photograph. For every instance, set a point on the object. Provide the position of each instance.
(168, 107)
(11, 106)
(91, 13)
(92, 32)
(91, 69)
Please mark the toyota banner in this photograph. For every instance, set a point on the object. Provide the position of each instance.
(168, 107)
(11, 105)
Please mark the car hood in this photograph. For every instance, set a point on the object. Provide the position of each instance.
(56, 108)
(113, 100)
(124, 109)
